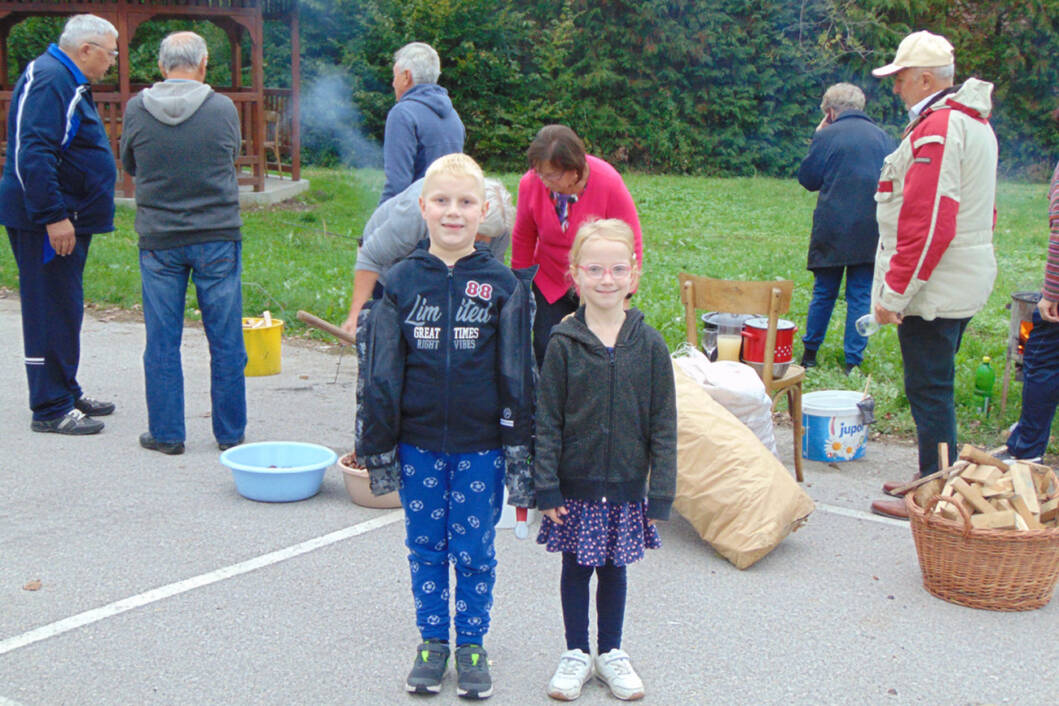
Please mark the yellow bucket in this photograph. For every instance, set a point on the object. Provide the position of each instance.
(262, 346)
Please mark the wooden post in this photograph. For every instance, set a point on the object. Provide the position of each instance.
(295, 85)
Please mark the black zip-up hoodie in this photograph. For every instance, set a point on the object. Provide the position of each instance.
(606, 421)
(449, 366)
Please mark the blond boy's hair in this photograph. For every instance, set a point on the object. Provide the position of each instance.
(613, 229)
(456, 164)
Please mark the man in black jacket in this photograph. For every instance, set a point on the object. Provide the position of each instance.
(843, 164)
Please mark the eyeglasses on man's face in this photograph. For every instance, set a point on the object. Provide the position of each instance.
(112, 52)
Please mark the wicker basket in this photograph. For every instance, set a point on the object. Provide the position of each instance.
(1006, 570)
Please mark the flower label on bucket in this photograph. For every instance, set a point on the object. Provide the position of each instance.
(834, 428)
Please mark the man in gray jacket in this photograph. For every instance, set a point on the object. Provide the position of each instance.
(180, 141)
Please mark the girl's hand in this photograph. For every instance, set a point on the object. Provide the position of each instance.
(555, 514)
(650, 522)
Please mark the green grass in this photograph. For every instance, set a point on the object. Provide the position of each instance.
(301, 255)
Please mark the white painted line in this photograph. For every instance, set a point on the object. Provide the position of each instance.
(156, 594)
(861, 515)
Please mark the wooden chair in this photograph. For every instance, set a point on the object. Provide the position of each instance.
(273, 140)
(763, 298)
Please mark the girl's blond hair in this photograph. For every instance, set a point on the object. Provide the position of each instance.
(613, 229)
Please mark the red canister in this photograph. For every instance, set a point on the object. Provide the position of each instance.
(754, 333)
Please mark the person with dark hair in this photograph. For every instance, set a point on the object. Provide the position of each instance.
(1040, 360)
(843, 164)
(56, 192)
(564, 188)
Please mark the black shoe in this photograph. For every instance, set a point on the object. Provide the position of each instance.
(809, 358)
(73, 422)
(94, 408)
(472, 673)
(171, 448)
(850, 367)
(225, 445)
(432, 658)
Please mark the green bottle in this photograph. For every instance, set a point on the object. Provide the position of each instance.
(984, 378)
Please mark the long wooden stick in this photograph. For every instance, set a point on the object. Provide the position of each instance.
(317, 322)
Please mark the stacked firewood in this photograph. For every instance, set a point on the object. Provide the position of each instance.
(995, 495)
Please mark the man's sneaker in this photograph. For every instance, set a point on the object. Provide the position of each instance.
(225, 445)
(432, 658)
(472, 673)
(171, 448)
(615, 670)
(94, 408)
(575, 667)
(1006, 456)
(73, 422)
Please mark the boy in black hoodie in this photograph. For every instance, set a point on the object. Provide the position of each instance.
(448, 405)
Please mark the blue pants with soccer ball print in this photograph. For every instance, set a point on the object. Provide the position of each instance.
(452, 503)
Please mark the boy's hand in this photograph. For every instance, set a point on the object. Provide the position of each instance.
(555, 514)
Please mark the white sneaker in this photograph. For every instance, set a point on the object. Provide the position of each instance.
(575, 667)
(615, 670)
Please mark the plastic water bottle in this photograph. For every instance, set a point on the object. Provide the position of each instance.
(867, 325)
(984, 378)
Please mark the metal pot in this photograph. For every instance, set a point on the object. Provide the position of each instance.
(755, 331)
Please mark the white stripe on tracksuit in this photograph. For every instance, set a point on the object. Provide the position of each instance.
(71, 108)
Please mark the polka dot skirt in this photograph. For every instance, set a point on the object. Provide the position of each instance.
(598, 532)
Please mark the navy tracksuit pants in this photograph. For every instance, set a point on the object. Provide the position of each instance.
(52, 310)
(452, 503)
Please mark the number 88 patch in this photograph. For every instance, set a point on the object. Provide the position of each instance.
(483, 291)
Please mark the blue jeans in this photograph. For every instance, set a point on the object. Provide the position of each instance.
(858, 302)
(1040, 390)
(929, 352)
(452, 503)
(216, 270)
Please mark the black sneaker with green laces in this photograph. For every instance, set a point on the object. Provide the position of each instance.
(472, 673)
(432, 658)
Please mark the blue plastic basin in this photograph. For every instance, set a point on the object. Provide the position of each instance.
(278, 471)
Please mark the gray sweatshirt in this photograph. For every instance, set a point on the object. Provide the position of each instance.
(394, 229)
(180, 141)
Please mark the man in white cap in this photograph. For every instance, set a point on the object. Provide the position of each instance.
(936, 209)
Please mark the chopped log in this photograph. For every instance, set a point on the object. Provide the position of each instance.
(1024, 487)
(975, 455)
(1050, 510)
(943, 473)
(986, 475)
(973, 495)
(1018, 504)
(994, 520)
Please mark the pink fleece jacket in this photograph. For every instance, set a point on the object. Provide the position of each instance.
(537, 238)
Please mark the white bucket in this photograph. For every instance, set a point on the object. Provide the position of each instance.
(832, 425)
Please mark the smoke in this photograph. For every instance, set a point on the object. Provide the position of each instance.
(331, 125)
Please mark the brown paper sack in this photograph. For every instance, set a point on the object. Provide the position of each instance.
(736, 494)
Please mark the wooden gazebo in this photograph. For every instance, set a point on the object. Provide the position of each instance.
(269, 116)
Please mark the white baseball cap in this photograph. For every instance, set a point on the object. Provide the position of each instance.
(918, 50)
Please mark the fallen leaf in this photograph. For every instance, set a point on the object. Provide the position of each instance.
(892, 692)
(33, 585)
(835, 466)
(874, 578)
(304, 377)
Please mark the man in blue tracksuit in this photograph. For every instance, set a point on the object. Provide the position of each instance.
(56, 191)
(422, 125)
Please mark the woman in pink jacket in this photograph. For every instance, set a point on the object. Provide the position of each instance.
(563, 188)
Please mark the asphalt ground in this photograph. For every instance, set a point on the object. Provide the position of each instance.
(160, 584)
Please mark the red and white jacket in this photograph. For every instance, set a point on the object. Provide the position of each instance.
(936, 210)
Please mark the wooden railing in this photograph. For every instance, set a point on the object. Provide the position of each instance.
(252, 163)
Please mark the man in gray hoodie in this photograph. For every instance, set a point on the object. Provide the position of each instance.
(180, 141)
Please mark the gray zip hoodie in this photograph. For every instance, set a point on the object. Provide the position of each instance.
(179, 141)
